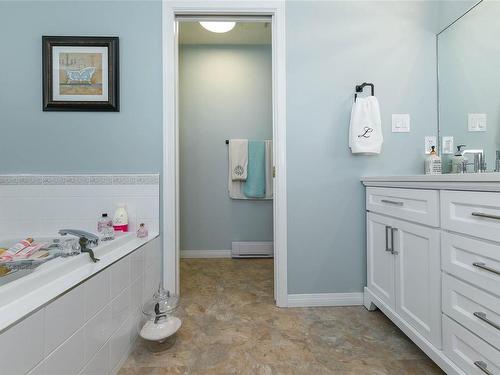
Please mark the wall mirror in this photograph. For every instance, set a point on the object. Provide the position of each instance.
(469, 90)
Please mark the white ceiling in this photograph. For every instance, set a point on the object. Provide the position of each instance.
(191, 32)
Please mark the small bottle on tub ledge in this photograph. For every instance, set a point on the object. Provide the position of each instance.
(120, 219)
(142, 232)
(105, 228)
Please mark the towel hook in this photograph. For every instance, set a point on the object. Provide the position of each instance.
(359, 88)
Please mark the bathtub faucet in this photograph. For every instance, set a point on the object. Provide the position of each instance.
(87, 241)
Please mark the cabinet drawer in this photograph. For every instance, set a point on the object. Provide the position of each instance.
(474, 213)
(420, 206)
(469, 352)
(475, 261)
(473, 308)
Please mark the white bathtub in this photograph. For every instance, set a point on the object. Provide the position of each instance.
(74, 316)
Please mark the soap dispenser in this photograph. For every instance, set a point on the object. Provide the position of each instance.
(457, 161)
(433, 163)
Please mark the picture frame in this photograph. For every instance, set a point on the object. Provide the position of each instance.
(80, 73)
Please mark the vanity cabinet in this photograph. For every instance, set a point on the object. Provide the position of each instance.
(433, 265)
(404, 271)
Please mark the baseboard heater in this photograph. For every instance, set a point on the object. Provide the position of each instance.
(249, 249)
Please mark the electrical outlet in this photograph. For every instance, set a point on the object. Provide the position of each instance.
(477, 122)
(429, 142)
(447, 145)
(401, 123)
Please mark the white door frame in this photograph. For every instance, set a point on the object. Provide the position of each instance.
(170, 189)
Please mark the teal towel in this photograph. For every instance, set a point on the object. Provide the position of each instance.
(255, 185)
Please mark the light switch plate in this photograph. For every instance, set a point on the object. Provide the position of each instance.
(401, 123)
(447, 145)
(429, 142)
(477, 122)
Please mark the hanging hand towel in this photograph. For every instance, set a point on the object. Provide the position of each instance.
(238, 159)
(365, 131)
(255, 186)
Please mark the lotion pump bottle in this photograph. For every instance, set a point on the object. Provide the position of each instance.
(458, 159)
(120, 219)
(433, 163)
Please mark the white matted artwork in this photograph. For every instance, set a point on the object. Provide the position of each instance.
(78, 73)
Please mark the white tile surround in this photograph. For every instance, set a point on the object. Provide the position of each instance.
(90, 329)
(33, 205)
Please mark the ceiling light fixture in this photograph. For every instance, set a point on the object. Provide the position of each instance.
(218, 27)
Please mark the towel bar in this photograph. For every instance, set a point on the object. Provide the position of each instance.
(359, 88)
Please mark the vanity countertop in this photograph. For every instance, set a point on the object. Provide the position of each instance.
(465, 181)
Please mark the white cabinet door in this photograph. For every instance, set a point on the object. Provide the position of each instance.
(418, 278)
(380, 259)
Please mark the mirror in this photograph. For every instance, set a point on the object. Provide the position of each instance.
(469, 84)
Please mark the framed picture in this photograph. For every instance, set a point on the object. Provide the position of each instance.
(80, 73)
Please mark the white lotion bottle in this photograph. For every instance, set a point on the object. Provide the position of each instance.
(120, 219)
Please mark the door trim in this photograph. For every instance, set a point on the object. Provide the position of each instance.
(170, 190)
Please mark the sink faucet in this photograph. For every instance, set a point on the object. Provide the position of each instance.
(87, 241)
(479, 161)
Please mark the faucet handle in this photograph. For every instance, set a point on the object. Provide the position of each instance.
(84, 248)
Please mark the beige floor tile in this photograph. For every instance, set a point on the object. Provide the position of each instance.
(231, 326)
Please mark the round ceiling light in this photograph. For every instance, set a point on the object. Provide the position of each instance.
(218, 27)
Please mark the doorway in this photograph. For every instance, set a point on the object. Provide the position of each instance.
(172, 17)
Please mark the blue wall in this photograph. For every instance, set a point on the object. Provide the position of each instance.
(36, 141)
(225, 92)
(332, 46)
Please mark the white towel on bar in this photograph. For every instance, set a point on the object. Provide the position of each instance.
(235, 187)
(365, 130)
(238, 159)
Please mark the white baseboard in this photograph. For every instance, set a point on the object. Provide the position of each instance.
(205, 253)
(325, 299)
(249, 249)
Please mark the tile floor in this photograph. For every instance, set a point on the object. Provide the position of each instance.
(231, 326)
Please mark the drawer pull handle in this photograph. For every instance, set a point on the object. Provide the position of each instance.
(482, 316)
(488, 216)
(483, 367)
(396, 203)
(485, 267)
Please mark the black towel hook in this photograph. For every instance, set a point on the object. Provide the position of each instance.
(359, 88)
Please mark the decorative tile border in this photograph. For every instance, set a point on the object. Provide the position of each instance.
(122, 179)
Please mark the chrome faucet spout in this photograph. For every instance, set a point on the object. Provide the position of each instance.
(478, 160)
(80, 233)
